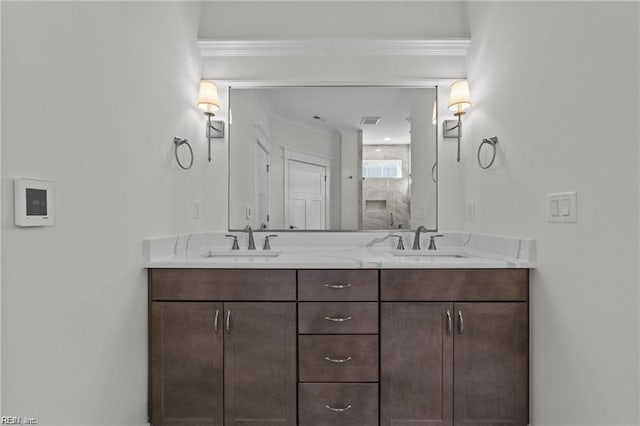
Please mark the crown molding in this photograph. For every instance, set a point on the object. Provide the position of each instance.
(349, 47)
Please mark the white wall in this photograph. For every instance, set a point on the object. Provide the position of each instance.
(274, 20)
(451, 176)
(1, 301)
(92, 96)
(558, 84)
(282, 20)
(423, 157)
(248, 112)
(351, 173)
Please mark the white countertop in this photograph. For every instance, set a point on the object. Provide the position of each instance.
(322, 251)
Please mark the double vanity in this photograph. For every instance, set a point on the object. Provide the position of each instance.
(348, 332)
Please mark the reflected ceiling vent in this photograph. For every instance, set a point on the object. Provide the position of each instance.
(370, 120)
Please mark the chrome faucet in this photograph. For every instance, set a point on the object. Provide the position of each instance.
(416, 240)
(400, 245)
(267, 244)
(432, 241)
(252, 244)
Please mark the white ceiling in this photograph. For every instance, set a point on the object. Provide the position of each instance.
(342, 108)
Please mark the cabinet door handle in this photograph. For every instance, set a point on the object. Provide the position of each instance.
(337, 360)
(460, 323)
(337, 319)
(449, 322)
(215, 321)
(338, 410)
(228, 322)
(338, 286)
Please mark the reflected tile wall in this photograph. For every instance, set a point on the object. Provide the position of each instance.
(386, 203)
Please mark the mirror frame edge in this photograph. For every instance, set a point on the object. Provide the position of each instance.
(257, 83)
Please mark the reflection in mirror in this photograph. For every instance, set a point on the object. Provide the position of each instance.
(332, 158)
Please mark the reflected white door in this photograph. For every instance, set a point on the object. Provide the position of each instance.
(307, 195)
(262, 188)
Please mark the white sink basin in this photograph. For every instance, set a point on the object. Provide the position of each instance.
(427, 254)
(244, 253)
(428, 258)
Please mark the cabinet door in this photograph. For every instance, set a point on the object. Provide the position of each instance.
(416, 364)
(186, 364)
(491, 364)
(260, 364)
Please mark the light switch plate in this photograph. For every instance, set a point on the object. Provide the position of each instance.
(562, 207)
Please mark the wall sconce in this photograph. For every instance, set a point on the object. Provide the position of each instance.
(459, 99)
(209, 102)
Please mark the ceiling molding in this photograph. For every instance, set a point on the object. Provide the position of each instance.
(348, 47)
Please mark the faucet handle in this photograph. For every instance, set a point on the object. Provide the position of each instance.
(400, 245)
(235, 241)
(432, 241)
(267, 245)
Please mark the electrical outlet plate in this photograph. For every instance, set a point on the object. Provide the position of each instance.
(196, 209)
(470, 211)
(562, 207)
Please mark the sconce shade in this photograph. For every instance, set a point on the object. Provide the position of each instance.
(208, 100)
(459, 97)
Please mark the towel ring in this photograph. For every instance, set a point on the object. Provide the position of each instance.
(179, 142)
(491, 142)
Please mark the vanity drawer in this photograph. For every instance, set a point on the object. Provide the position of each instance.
(223, 284)
(338, 285)
(338, 318)
(349, 404)
(471, 285)
(344, 358)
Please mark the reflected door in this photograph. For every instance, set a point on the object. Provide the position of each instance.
(262, 187)
(307, 195)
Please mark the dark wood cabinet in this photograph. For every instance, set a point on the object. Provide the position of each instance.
(454, 363)
(339, 347)
(416, 384)
(491, 362)
(223, 363)
(186, 364)
(260, 364)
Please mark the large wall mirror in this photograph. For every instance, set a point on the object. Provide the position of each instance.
(332, 158)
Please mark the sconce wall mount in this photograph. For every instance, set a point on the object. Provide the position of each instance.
(209, 102)
(459, 100)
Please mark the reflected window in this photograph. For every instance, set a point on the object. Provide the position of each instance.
(388, 169)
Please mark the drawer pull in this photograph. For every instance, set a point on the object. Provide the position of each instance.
(338, 286)
(338, 410)
(449, 322)
(337, 360)
(460, 323)
(215, 321)
(337, 319)
(228, 323)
